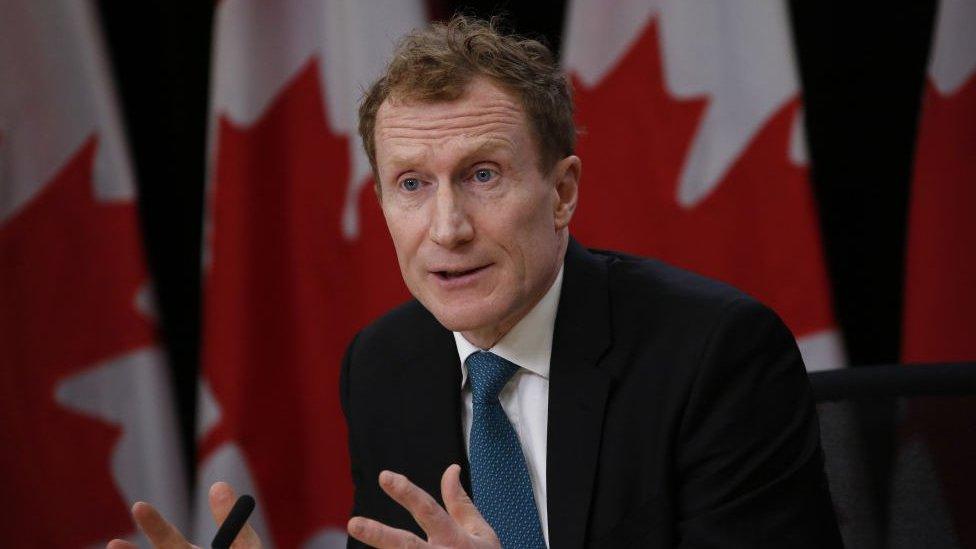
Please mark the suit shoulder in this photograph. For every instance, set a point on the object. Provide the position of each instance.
(653, 285)
(652, 301)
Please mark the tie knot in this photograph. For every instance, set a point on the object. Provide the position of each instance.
(488, 373)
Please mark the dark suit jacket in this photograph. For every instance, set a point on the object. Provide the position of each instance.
(679, 414)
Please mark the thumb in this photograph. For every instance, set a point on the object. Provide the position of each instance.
(222, 498)
(460, 506)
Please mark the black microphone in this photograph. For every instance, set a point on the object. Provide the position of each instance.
(234, 522)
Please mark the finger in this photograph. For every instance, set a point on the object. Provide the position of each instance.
(424, 508)
(376, 534)
(222, 498)
(121, 544)
(460, 506)
(161, 533)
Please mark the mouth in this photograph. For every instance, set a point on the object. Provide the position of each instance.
(458, 278)
(457, 274)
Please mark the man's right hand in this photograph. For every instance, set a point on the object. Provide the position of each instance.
(164, 535)
(459, 526)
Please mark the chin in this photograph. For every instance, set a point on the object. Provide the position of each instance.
(459, 321)
(462, 318)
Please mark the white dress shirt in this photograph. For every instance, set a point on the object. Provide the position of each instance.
(525, 398)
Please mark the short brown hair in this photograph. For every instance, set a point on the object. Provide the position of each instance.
(437, 63)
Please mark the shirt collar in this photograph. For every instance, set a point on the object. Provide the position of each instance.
(529, 343)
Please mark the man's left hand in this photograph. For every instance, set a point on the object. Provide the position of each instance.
(461, 526)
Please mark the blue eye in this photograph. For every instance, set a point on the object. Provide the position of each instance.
(483, 175)
(410, 184)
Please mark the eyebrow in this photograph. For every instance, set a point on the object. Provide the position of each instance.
(489, 145)
(486, 148)
(400, 161)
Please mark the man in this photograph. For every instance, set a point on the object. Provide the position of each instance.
(583, 398)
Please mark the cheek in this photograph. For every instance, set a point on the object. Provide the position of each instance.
(526, 232)
(533, 224)
(404, 231)
(537, 240)
(407, 259)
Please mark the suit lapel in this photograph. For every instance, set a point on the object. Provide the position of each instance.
(430, 389)
(577, 395)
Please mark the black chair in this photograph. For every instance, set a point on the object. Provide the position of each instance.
(900, 453)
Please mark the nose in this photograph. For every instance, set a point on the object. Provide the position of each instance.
(449, 224)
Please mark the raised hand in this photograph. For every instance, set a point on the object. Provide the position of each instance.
(164, 535)
(461, 526)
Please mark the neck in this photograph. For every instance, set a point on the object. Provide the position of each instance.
(486, 338)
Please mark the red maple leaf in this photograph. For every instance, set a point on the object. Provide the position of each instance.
(285, 294)
(940, 287)
(70, 268)
(940, 280)
(757, 230)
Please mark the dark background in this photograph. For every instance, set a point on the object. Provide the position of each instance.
(862, 72)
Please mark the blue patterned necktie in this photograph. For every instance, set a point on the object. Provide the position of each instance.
(499, 476)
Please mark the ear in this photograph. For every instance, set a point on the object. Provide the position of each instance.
(566, 178)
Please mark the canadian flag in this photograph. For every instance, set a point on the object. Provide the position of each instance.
(86, 410)
(940, 281)
(694, 152)
(298, 257)
(939, 323)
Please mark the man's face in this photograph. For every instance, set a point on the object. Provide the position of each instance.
(479, 230)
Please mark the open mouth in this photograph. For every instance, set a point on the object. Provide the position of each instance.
(451, 275)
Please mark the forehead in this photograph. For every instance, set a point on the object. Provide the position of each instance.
(484, 115)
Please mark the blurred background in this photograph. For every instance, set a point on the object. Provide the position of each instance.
(188, 238)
